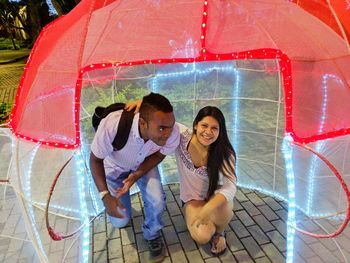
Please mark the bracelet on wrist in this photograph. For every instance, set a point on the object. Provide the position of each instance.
(103, 194)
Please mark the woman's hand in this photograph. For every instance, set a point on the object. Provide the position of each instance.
(202, 218)
(133, 104)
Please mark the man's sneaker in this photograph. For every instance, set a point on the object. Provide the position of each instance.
(156, 249)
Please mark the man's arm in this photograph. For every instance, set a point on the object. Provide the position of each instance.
(150, 162)
(98, 172)
(110, 202)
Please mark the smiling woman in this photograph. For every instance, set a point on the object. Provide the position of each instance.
(207, 131)
(206, 163)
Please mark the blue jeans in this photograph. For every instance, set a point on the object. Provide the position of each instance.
(153, 197)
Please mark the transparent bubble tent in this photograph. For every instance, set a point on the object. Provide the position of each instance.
(280, 74)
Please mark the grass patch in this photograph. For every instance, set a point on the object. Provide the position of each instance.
(5, 110)
(6, 43)
(7, 55)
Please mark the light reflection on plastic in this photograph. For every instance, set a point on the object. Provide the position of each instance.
(320, 144)
(28, 195)
(97, 205)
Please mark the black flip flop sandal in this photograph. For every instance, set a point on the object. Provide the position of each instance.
(212, 244)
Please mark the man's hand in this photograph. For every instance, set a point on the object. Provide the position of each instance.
(133, 104)
(113, 206)
(128, 182)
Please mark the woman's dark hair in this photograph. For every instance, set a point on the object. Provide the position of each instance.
(219, 151)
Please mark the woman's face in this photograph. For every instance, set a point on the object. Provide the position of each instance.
(207, 130)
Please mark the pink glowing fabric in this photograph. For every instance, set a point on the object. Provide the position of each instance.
(334, 13)
(313, 60)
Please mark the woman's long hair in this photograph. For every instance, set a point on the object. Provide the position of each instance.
(219, 151)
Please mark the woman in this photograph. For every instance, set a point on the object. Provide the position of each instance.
(206, 163)
(206, 160)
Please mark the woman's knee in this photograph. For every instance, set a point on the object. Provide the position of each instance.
(228, 214)
(203, 233)
(223, 214)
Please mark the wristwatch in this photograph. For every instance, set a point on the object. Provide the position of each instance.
(103, 194)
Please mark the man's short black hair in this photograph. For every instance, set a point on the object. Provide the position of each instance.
(154, 102)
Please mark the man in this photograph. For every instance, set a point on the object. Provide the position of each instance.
(153, 135)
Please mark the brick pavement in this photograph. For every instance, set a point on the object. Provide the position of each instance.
(9, 80)
(10, 73)
(255, 234)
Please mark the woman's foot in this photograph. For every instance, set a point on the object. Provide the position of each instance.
(218, 244)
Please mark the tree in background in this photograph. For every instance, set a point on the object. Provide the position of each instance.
(64, 6)
(7, 17)
(37, 16)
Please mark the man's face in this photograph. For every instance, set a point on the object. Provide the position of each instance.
(159, 127)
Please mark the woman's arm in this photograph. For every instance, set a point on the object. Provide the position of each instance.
(225, 192)
(207, 210)
(228, 187)
(133, 104)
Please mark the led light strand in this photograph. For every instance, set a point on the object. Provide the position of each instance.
(28, 209)
(235, 110)
(83, 207)
(262, 190)
(62, 208)
(204, 28)
(194, 70)
(318, 148)
(344, 187)
(265, 53)
(321, 144)
(27, 193)
(287, 153)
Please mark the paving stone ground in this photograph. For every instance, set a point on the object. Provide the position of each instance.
(9, 79)
(10, 73)
(256, 233)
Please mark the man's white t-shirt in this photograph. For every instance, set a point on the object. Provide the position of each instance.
(134, 152)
